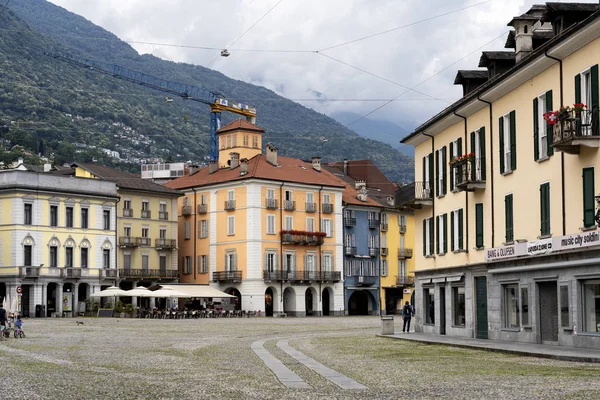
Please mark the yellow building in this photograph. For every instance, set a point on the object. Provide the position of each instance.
(146, 227)
(57, 240)
(263, 227)
(505, 202)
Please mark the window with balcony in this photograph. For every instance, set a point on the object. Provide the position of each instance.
(455, 151)
(145, 209)
(68, 257)
(106, 219)
(402, 223)
(310, 262)
(53, 215)
(28, 214)
(289, 261)
(586, 92)
(145, 236)
(508, 143)
(442, 233)
(162, 211)
(589, 203)
(508, 217)
(327, 262)
(289, 201)
(69, 217)
(53, 256)
(327, 207)
(477, 167)
(310, 224)
(106, 258)
(310, 202)
(440, 171)
(230, 261)
(545, 209)
(84, 218)
(542, 130)
(127, 210)
(456, 229)
(270, 261)
(27, 260)
(84, 257)
(231, 225)
(270, 224)
(162, 233)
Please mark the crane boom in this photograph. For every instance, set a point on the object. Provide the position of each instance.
(216, 101)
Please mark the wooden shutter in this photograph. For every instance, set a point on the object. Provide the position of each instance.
(437, 173)
(452, 168)
(445, 236)
(536, 130)
(577, 88)
(424, 163)
(501, 136)
(549, 128)
(482, 152)
(545, 209)
(459, 146)
(508, 214)
(444, 170)
(225, 265)
(474, 163)
(588, 197)
(595, 105)
(424, 237)
(452, 231)
(479, 225)
(431, 181)
(513, 141)
(437, 229)
(460, 230)
(266, 267)
(431, 238)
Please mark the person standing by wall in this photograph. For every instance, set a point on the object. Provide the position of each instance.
(407, 314)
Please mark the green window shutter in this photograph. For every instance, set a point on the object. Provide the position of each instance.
(459, 147)
(482, 152)
(588, 197)
(437, 229)
(501, 136)
(452, 231)
(445, 233)
(549, 128)
(479, 225)
(474, 163)
(437, 172)
(536, 131)
(460, 230)
(451, 168)
(545, 209)
(424, 237)
(431, 181)
(508, 214)
(513, 141)
(424, 177)
(577, 88)
(444, 170)
(431, 238)
(595, 105)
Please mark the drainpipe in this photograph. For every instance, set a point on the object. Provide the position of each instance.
(491, 141)
(195, 234)
(281, 243)
(466, 191)
(432, 191)
(320, 250)
(117, 237)
(562, 153)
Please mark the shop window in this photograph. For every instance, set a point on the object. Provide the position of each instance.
(525, 306)
(511, 306)
(429, 306)
(458, 306)
(565, 320)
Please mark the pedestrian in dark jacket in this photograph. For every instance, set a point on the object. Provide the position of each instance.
(407, 313)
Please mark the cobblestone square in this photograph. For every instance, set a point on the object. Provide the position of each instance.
(214, 359)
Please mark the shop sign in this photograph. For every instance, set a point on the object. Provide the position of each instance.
(538, 247)
(499, 253)
(576, 241)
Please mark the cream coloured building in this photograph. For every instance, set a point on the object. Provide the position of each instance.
(507, 241)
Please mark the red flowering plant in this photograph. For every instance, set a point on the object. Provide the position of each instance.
(579, 107)
(464, 157)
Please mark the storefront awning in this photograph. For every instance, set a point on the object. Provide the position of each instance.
(454, 278)
(198, 291)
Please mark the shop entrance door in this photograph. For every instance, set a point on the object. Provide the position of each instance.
(548, 312)
(481, 303)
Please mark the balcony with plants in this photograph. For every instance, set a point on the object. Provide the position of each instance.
(573, 127)
(469, 172)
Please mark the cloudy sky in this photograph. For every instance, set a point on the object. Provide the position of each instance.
(406, 56)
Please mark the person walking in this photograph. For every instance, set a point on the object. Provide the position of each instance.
(407, 314)
(3, 321)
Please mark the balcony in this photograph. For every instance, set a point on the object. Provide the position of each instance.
(127, 273)
(163, 215)
(469, 174)
(373, 252)
(383, 227)
(302, 238)
(302, 276)
(128, 213)
(415, 195)
(202, 209)
(186, 210)
(30, 272)
(384, 251)
(405, 253)
(227, 276)
(580, 129)
(165, 244)
(130, 241)
(271, 204)
(109, 273)
(311, 207)
(327, 208)
(146, 241)
(229, 205)
(402, 228)
(73, 273)
(363, 280)
(407, 280)
(146, 214)
(348, 221)
(350, 251)
(373, 223)
(289, 205)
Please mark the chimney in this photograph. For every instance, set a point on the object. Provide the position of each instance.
(271, 154)
(213, 167)
(523, 35)
(193, 169)
(360, 184)
(345, 166)
(390, 201)
(47, 167)
(243, 166)
(234, 160)
(363, 194)
(316, 163)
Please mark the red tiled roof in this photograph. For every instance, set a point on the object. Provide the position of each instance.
(350, 195)
(288, 170)
(240, 124)
(366, 170)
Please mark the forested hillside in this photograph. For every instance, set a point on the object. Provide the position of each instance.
(58, 105)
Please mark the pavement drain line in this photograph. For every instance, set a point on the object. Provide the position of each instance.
(35, 356)
(283, 373)
(333, 376)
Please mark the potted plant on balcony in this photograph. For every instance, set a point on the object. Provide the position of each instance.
(563, 113)
(470, 157)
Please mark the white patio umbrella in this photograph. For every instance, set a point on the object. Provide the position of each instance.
(112, 291)
(139, 291)
(167, 292)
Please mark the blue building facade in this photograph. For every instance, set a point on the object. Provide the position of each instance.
(361, 260)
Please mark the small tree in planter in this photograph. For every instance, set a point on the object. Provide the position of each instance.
(129, 309)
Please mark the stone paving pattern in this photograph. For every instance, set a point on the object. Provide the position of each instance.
(213, 359)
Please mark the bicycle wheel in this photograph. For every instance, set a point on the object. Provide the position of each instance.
(21, 334)
(16, 334)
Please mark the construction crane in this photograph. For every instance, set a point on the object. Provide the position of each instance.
(216, 101)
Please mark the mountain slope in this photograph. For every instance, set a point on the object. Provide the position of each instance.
(295, 129)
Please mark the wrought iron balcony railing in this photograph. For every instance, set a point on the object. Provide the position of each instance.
(373, 223)
(350, 251)
(402, 228)
(202, 209)
(271, 204)
(406, 280)
(145, 241)
(363, 280)
(146, 214)
(186, 210)
(348, 221)
(311, 207)
(127, 273)
(469, 174)
(165, 244)
(130, 241)
(164, 215)
(383, 227)
(302, 276)
(403, 252)
(227, 276)
(415, 194)
(384, 251)
(579, 129)
(127, 212)
(327, 208)
(372, 252)
(229, 205)
(289, 205)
